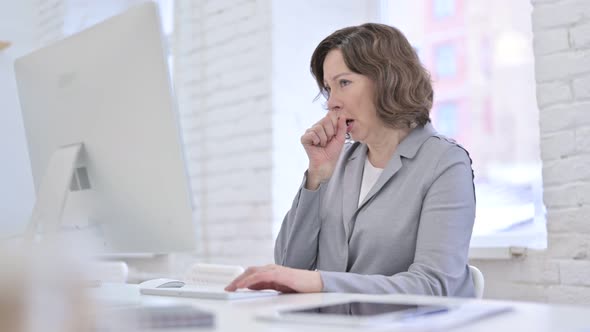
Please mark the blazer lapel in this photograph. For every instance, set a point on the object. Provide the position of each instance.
(351, 185)
(408, 149)
(394, 165)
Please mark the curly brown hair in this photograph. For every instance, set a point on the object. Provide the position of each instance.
(403, 89)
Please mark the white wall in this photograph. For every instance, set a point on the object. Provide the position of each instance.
(561, 273)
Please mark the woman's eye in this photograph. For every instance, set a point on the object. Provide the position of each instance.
(344, 83)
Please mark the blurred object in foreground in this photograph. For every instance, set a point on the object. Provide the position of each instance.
(12, 294)
(4, 44)
(42, 292)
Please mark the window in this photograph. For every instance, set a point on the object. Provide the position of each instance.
(445, 119)
(445, 61)
(443, 8)
(479, 108)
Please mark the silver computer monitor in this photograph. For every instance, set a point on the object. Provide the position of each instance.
(99, 112)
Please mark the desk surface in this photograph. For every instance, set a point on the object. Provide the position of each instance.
(240, 315)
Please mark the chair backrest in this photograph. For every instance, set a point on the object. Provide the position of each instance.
(478, 281)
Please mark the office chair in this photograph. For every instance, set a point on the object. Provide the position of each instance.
(478, 281)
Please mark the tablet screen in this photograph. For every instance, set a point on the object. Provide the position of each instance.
(365, 309)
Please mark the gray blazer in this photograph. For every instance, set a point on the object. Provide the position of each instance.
(410, 234)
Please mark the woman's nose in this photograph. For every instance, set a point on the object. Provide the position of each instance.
(334, 104)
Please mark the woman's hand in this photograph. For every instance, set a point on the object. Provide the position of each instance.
(280, 278)
(323, 144)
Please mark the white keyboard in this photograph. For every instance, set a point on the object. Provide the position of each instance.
(205, 281)
(206, 292)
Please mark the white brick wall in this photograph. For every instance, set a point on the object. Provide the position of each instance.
(551, 93)
(582, 87)
(50, 20)
(222, 77)
(551, 40)
(560, 274)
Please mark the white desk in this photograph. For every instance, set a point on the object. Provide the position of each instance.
(239, 315)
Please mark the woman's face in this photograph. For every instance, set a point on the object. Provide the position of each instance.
(351, 96)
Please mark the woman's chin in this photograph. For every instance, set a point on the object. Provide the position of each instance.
(354, 137)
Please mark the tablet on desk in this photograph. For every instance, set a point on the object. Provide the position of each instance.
(405, 316)
(357, 313)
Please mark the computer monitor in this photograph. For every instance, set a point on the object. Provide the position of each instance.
(103, 137)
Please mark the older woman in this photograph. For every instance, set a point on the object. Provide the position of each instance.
(392, 212)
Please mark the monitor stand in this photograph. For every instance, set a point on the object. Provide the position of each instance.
(53, 192)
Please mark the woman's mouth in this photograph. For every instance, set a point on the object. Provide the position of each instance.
(349, 123)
